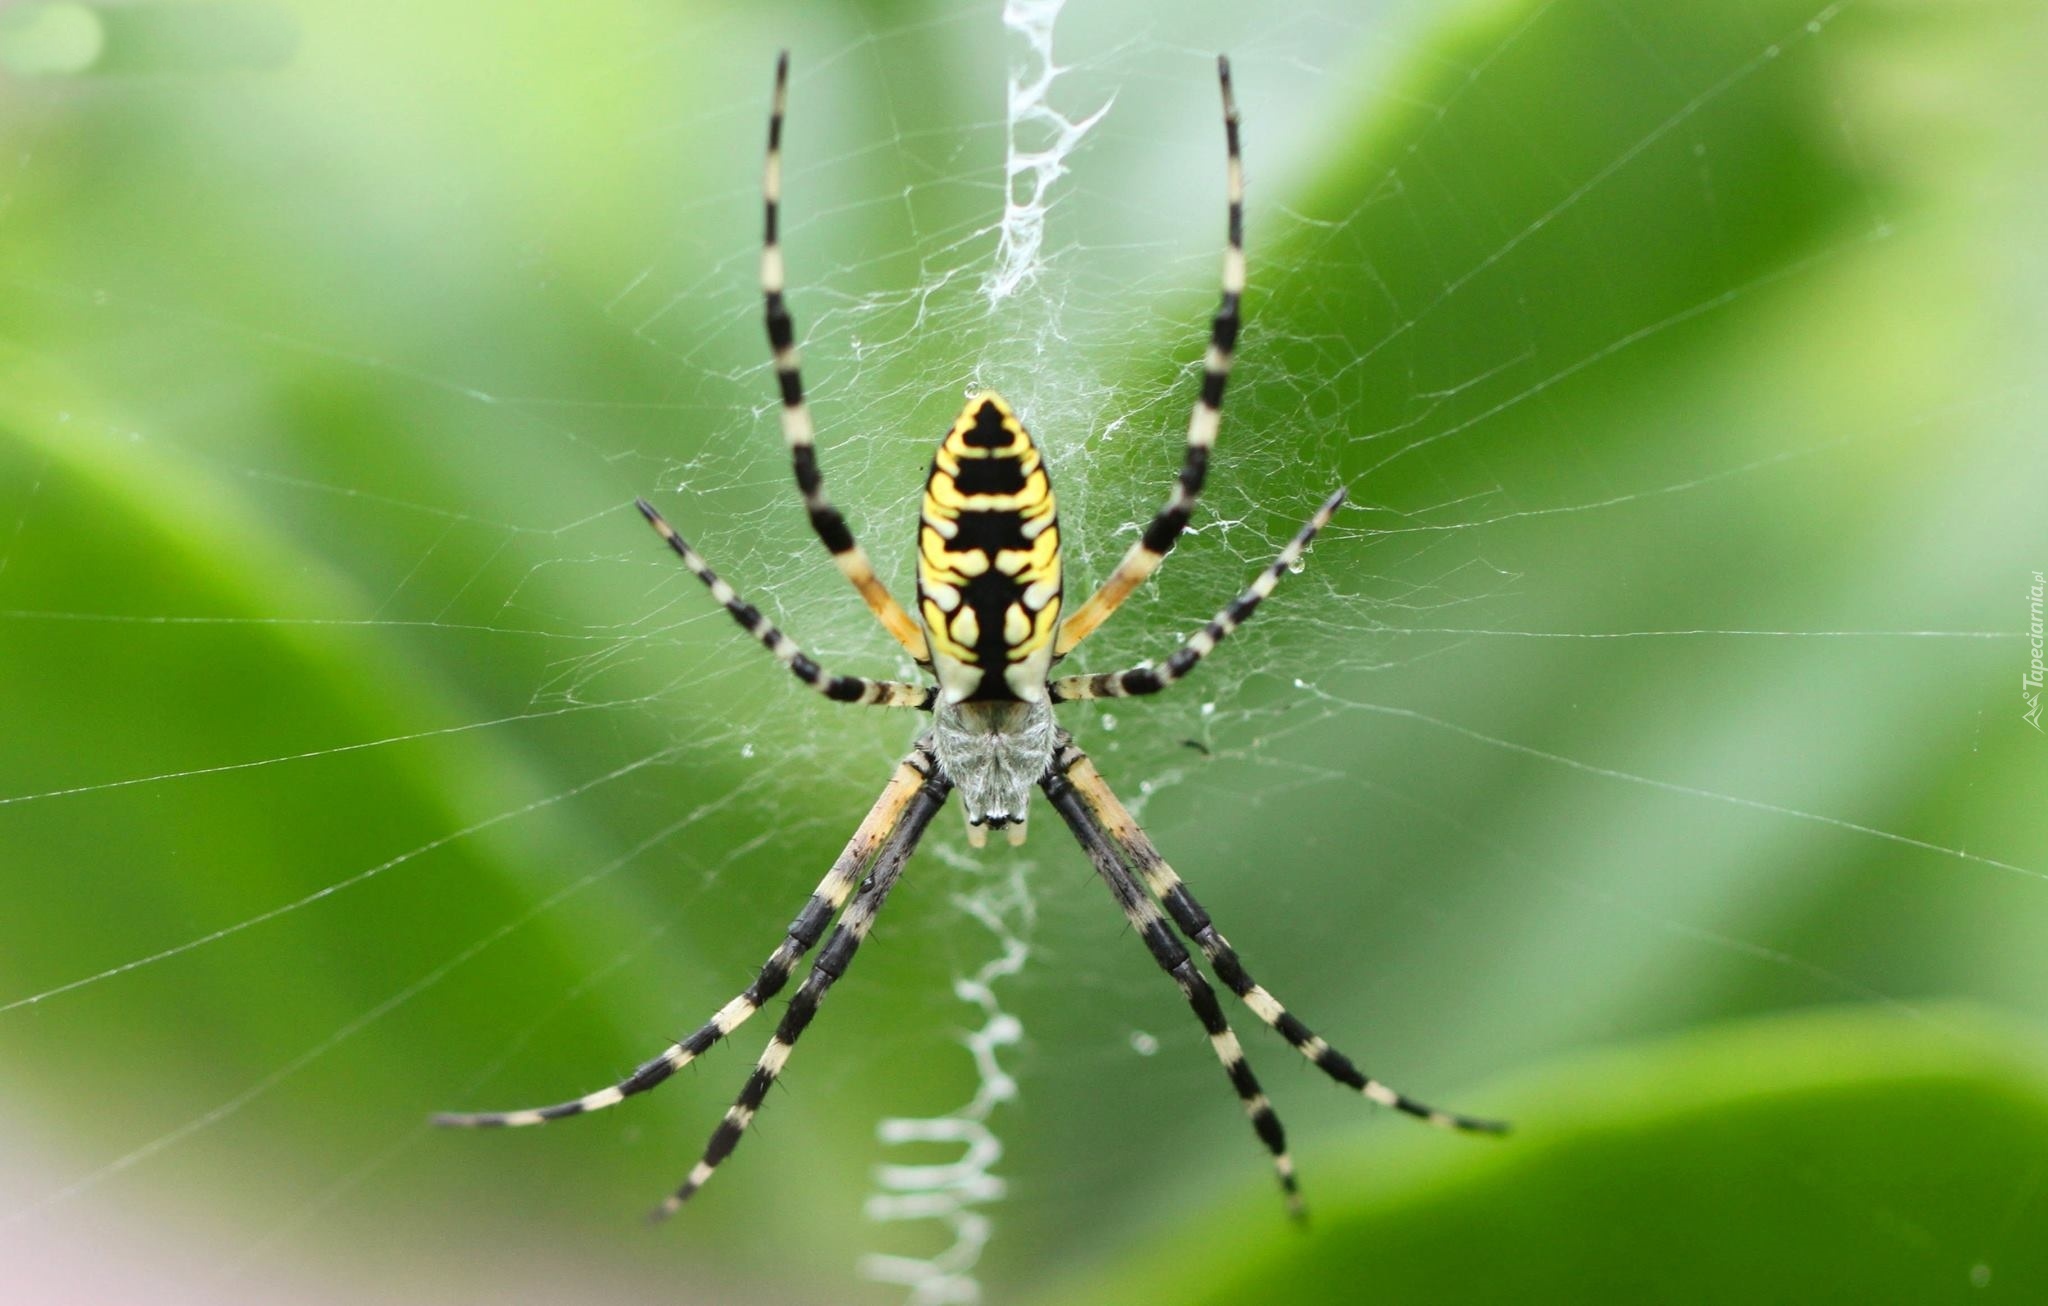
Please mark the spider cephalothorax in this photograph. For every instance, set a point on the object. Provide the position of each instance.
(995, 752)
(992, 626)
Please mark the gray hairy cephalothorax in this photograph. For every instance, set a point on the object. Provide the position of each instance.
(995, 753)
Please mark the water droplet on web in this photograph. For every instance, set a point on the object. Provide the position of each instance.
(1297, 566)
(1209, 708)
(746, 750)
(1108, 722)
(1145, 1045)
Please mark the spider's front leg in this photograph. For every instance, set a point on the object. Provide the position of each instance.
(1104, 813)
(1144, 918)
(869, 843)
(831, 963)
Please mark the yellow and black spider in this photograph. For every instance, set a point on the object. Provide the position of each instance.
(990, 630)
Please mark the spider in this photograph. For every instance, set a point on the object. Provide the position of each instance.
(989, 629)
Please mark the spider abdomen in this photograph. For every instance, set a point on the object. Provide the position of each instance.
(988, 559)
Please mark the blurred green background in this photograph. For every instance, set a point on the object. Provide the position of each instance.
(1642, 757)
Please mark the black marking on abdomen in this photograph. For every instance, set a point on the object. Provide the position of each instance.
(988, 431)
(997, 475)
(988, 532)
(991, 596)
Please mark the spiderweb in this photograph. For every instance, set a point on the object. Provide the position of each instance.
(448, 789)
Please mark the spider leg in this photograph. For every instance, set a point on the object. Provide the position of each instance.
(838, 688)
(826, 519)
(1164, 531)
(1103, 809)
(1144, 917)
(1150, 679)
(831, 963)
(882, 823)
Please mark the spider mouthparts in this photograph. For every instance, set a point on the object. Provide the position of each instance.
(1014, 827)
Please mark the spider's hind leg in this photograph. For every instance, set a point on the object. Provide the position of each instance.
(826, 519)
(1150, 549)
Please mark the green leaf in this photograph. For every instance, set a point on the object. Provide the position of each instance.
(1842, 1155)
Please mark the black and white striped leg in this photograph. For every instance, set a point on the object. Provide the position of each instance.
(831, 894)
(1164, 531)
(826, 519)
(838, 688)
(1151, 679)
(831, 963)
(1144, 917)
(1117, 825)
